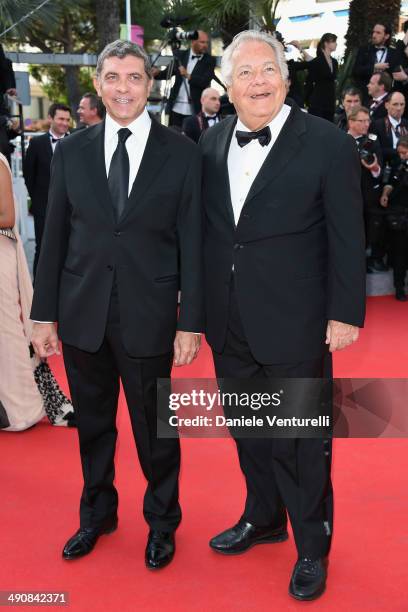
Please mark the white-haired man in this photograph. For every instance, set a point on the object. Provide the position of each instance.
(285, 280)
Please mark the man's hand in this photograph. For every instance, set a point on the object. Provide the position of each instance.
(45, 340)
(12, 91)
(186, 347)
(401, 75)
(183, 72)
(374, 166)
(381, 66)
(339, 335)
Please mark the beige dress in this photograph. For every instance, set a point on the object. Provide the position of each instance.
(21, 404)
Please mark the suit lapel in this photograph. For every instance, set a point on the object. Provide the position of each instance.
(95, 151)
(222, 148)
(154, 156)
(283, 150)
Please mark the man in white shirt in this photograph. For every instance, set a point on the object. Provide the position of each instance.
(194, 71)
(37, 164)
(123, 234)
(284, 285)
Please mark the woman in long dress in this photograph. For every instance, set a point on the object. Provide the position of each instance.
(21, 403)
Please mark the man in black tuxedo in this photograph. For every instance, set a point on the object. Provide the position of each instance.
(378, 56)
(194, 71)
(285, 284)
(390, 128)
(123, 234)
(379, 86)
(37, 164)
(195, 125)
(350, 98)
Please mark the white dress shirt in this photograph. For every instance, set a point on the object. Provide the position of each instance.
(381, 55)
(55, 137)
(394, 124)
(135, 144)
(182, 105)
(245, 162)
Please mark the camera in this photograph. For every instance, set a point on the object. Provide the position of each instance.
(175, 33)
(366, 149)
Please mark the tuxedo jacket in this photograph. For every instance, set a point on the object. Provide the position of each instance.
(36, 169)
(201, 78)
(379, 112)
(152, 251)
(366, 58)
(382, 127)
(298, 248)
(194, 126)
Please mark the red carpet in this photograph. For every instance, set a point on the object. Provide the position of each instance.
(40, 487)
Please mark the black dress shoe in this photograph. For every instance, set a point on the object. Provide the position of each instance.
(400, 294)
(308, 579)
(244, 535)
(160, 549)
(84, 540)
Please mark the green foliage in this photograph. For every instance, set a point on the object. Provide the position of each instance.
(52, 79)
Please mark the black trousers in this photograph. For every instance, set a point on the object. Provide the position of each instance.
(399, 251)
(94, 383)
(176, 119)
(39, 223)
(282, 475)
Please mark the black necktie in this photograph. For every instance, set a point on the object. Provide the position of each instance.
(398, 130)
(118, 178)
(264, 137)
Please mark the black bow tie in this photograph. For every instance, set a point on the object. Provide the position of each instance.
(381, 49)
(208, 117)
(53, 140)
(264, 137)
(196, 56)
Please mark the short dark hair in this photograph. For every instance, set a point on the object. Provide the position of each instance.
(352, 91)
(56, 106)
(405, 26)
(385, 79)
(403, 142)
(95, 102)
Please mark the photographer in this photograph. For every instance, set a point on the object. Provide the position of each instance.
(194, 71)
(394, 199)
(7, 86)
(371, 160)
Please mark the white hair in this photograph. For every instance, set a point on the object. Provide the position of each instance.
(252, 36)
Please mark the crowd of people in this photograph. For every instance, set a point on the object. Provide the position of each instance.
(119, 229)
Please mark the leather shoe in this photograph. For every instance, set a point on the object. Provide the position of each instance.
(84, 540)
(308, 579)
(160, 549)
(400, 294)
(244, 535)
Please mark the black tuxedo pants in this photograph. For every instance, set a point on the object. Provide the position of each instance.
(94, 383)
(282, 474)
